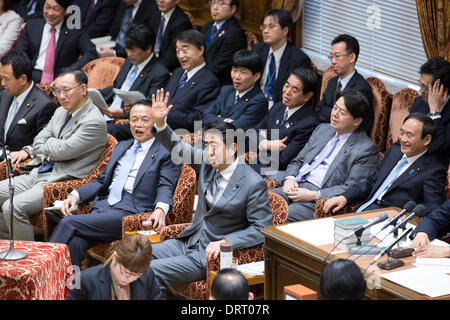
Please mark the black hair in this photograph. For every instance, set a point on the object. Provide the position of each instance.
(224, 128)
(234, 3)
(444, 77)
(433, 66)
(358, 106)
(192, 36)
(247, 59)
(20, 64)
(351, 43)
(428, 127)
(230, 284)
(342, 280)
(79, 75)
(139, 36)
(308, 79)
(284, 18)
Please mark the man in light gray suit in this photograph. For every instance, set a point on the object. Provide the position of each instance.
(69, 147)
(233, 203)
(337, 156)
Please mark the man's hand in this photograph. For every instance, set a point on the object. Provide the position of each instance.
(437, 94)
(301, 195)
(421, 240)
(127, 106)
(113, 112)
(289, 186)
(213, 249)
(69, 203)
(160, 110)
(275, 145)
(105, 52)
(19, 156)
(334, 204)
(431, 251)
(157, 220)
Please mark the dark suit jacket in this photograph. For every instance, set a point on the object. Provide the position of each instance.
(96, 285)
(153, 77)
(155, 182)
(301, 125)
(422, 182)
(246, 113)
(230, 39)
(178, 22)
(71, 44)
(101, 18)
(24, 7)
(440, 146)
(36, 110)
(357, 82)
(292, 58)
(437, 223)
(191, 101)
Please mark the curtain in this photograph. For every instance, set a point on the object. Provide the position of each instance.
(434, 21)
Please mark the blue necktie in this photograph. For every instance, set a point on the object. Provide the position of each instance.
(49, 165)
(212, 35)
(115, 194)
(285, 116)
(271, 72)
(126, 85)
(159, 36)
(386, 184)
(11, 114)
(126, 20)
(182, 82)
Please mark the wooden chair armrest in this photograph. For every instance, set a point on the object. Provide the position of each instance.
(172, 231)
(60, 190)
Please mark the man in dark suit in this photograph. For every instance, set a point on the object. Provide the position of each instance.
(243, 103)
(224, 37)
(337, 156)
(192, 87)
(140, 72)
(30, 9)
(139, 177)
(279, 55)
(128, 12)
(344, 53)
(52, 46)
(293, 120)
(97, 15)
(233, 202)
(24, 108)
(434, 225)
(407, 172)
(435, 102)
(166, 22)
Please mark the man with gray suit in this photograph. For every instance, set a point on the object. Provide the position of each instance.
(337, 156)
(233, 203)
(69, 147)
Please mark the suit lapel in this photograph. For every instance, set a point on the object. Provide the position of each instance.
(319, 146)
(123, 74)
(149, 159)
(63, 35)
(413, 170)
(27, 105)
(389, 163)
(105, 288)
(141, 76)
(238, 108)
(115, 157)
(284, 65)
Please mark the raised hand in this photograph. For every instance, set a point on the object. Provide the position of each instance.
(160, 110)
(437, 94)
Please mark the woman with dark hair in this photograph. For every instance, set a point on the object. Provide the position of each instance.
(10, 23)
(125, 275)
(342, 280)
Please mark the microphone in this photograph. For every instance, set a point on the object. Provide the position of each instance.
(408, 207)
(358, 232)
(8, 161)
(418, 211)
(390, 246)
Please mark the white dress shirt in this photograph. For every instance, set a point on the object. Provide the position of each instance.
(277, 55)
(46, 35)
(226, 176)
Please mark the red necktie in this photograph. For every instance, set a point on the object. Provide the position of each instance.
(47, 73)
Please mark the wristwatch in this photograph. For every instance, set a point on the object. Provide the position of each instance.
(434, 114)
(317, 195)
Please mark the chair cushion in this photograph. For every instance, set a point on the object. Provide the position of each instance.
(102, 72)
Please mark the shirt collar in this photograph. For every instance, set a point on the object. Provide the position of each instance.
(243, 93)
(168, 14)
(142, 65)
(145, 145)
(192, 72)
(343, 137)
(228, 172)
(48, 27)
(345, 80)
(413, 158)
(291, 111)
(277, 54)
(21, 97)
(219, 24)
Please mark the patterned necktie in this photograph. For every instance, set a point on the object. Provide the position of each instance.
(236, 99)
(386, 184)
(126, 20)
(211, 37)
(11, 114)
(271, 72)
(215, 189)
(325, 153)
(49, 165)
(49, 65)
(285, 116)
(337, 93)
(183, 81)
(115, 194)
(126, 85)
(159, 36)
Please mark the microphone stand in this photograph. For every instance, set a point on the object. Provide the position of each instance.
(400, 252)
(11, 254)
(392, 262)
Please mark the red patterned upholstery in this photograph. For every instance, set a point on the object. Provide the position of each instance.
(401, 104)
(272, 184)
(327, 75)
(199, 290)
(382, 110)
(101, 72)
(60, 190)
(47, 89)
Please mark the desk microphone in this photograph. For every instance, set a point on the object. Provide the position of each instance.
(358, 232)
(418, 211)
(408, 207)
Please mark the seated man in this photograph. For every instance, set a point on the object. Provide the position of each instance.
(97, 16)
(344, 54)
(435, 102)
(233, 202)
(337, 156)
(52, 46)
(30, 9)
(278, 54)
(24, 108)
(243, 103)
(224, 37)
(230, 284)
(69, 147)
(434, 225)
(140, 72)
(292, 120)
(139, 177)
(407, 172)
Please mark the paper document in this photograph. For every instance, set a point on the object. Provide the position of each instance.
(252, 268)
(317, 232)
(99, 101)
(129, 96)
(58, 205)
(148, 232)
(106, 42)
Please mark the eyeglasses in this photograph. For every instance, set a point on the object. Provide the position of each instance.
(64, 91)
(423, 86)
(220, 3)
(270, 26)
(127, 273)
(338, 56)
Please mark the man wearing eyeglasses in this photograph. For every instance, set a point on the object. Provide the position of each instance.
(435, 102)
(69, 147)
(343, 56)
(223, 38)
(279, 55)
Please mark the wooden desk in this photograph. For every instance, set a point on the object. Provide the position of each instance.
(154, 238)
(289, 260)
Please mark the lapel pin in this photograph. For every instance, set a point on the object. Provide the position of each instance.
(236, 186)
(411, 171)
(76, 121)
(277, 121)
(246, 100)
(28, 105)
(65, 33)
(153, 156)
(345, 150)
